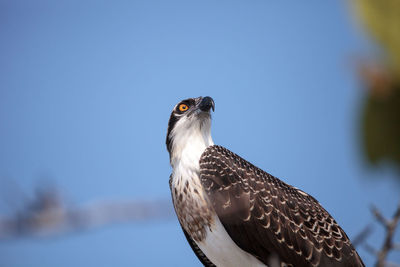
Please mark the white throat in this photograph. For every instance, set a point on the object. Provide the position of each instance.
(190, 137)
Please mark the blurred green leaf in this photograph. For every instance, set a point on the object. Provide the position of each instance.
(382, 19)
(380, 124)
(381, 127)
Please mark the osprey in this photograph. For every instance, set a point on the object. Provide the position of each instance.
(235, 214)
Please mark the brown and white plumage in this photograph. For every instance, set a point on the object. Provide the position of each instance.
(263, 214)
(235, 214)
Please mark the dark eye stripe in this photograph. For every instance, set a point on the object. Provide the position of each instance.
(175, 116)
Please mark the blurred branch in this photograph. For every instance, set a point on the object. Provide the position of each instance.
(390, 226)
(379, 217)
(46, 215)
(361, 237)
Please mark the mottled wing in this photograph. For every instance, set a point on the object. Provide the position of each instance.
(199, 253)
(265, 216)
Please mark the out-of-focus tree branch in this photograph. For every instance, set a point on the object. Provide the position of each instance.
(362, 236)
(389, 244)
(380, 111)
(46, 214)
(390, 228)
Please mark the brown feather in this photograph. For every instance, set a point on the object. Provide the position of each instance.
(266, 216)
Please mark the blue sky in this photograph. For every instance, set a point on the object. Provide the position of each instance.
(86, 90)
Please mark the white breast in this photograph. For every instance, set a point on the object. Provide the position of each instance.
(222, 251)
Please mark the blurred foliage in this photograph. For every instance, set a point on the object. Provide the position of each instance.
(381, 129)
(381, 109)
(382, 20)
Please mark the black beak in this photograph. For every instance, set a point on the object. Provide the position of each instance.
(206, 104)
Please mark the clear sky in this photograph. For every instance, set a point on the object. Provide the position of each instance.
(87, 87)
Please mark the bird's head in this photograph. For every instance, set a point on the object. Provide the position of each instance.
(189, 128)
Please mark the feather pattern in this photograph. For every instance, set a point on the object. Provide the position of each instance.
(200, 255)
(265, 216)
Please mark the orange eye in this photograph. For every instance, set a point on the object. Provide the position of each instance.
(183, 107)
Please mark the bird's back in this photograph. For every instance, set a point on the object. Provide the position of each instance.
(266, 216)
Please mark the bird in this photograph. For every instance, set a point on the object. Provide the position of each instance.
(233, 213)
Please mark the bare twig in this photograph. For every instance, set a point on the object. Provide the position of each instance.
(390, 228)
(379, 217)
(47, 215)
(371, 250)
(362, 236)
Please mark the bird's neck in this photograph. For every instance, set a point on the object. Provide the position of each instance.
(189, 198)
(188, 147)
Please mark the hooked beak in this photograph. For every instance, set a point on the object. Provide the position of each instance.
(206, 104)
